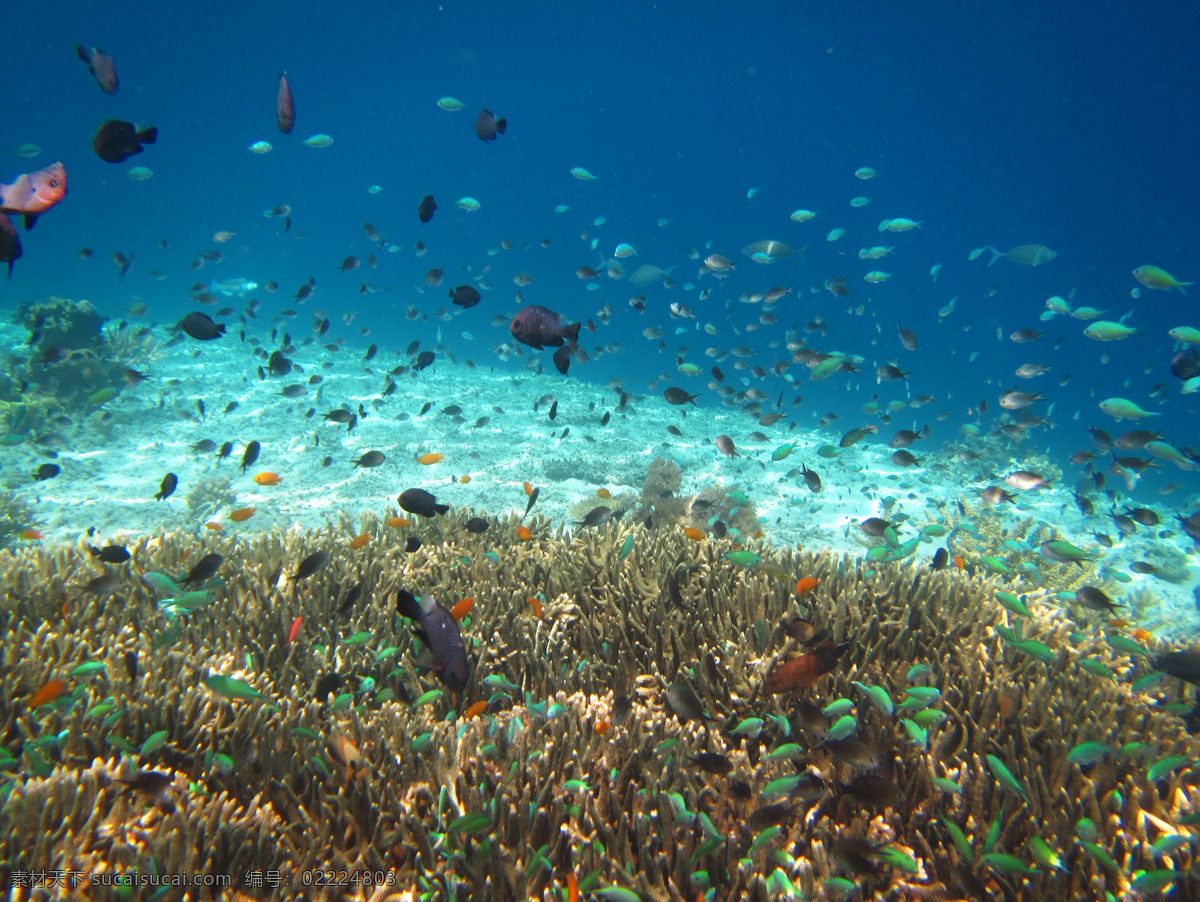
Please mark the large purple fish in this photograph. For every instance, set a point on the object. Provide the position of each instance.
(540, 327)
(440, 634)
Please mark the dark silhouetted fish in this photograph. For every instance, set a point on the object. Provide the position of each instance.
(117, 140)
(166, 487)
(10, 243)
(371, 459)
(201, 327)
(487, 126)
(465, 296)
(285, 106)
(310, 565)
(204, 570)
(421, 502)
(250, 455)
(426, 208)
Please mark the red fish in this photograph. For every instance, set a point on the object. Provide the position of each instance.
(10, 243)
(801, 672)
(33, 193)
(285, 107)
(295, 630)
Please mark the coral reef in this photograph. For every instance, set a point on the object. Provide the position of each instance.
(565, 753)
(16, 516)
(210, 495)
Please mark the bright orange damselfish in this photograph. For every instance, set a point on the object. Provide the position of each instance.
(31, 534)
(806, 585)
(693, 533)
(241, 514)
(463, 608)
(48, 693)
(959, 562)
(431, 458)
(464, 479)
(604, 493)
(214, 526)
(268, 479)
(476, 709)
(398, 522)
(572, 888)
(528, 488)
(601, 727)
(524, 534)
(360, 540)
(537, 607)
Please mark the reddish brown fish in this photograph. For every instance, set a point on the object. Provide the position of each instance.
(33, 193)
(801, 672)
(285, 107)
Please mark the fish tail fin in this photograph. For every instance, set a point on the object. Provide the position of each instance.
(1181, 284)
(82, 53)
(501, 125)
(572, 331)
(30, 221)
(441, 508)
(10, 266)
(147, 135)
(407, 605)
(996, 255)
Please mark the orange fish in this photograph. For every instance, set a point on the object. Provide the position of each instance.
(528, 488)
(476, 709)
(31, 534)
(464, 479)
(463, 608)
(295, 630)
(48, 693)
(398, 522)
(602, 727)
(537, 607)
(360, 540)
(693, 533)
(244, 513)
(959, 562)
(431, 458)
(572, 888)
(524, 534)
(1141, 635)
(604, 493)
(215, 527)
(34, 193)
(807, 584)
(268, 479)
(801, 672)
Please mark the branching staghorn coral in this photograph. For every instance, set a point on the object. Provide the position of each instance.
(577, 762)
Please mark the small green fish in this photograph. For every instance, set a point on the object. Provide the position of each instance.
(783, 752)
(959, 838)
(1007, 864)
(153, 743)
(930, 717)
(947, 785)
(1162, 769)
(782, 452)
(1012, 603)
(305, 733)
(1005, 777)
(428, 698)
(916, 732)
(1125, 645)
(777, 789)
(1149, 882)
(1101, 855)
(743, 558)
(842, 728)
(626, 547)
(763, 837)
(1088, 753)
(1095, 667)
(471, 823)
(233, 689)
(1170, 843)
(87, 669)
(994, 564)
(1036, 649)
(750, 727)
(357, 638)
(918, 672)
(879, 697)
(1044, 855)
(838, 707)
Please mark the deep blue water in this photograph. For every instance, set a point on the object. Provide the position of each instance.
(1071, 125)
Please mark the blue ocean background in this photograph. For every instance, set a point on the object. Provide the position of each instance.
(1071, 125)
